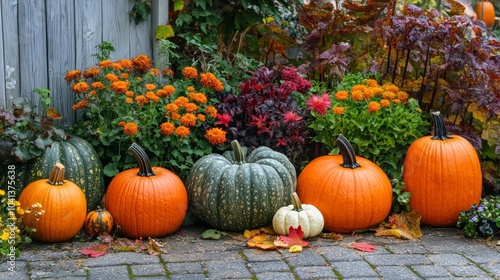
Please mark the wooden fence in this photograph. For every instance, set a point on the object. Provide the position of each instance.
(40, 40)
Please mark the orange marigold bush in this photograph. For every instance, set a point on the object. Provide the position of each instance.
(174, 120)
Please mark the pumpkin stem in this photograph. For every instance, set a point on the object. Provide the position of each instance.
(142, 160)
(239, 157)
(347, 152)
(439, 127)
(56, 176)
(297, 206)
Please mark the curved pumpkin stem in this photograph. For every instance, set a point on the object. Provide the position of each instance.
(297, 206)
(239, 157)
(56, 176)
(142, 160)
(347, 152)
(439, 127)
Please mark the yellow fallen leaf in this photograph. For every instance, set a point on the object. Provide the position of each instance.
(295, 249)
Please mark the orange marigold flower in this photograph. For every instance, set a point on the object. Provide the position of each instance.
(92, 92)
(388, 95)
(191, 107)
(201, 117)
(111, 77)
(392, 88)
(122, 124)
(105, 63)
(167, 72)
(373, 107)
(171, 108)
(72, 75)
(403, 96)
(211, 111)
(182, 131)
(129, 93)
(52, 113)
(141, 100)
(97, 85)
(82, 104)
(161, 93)
(152, 96)
(154, 72)
(175, 116)
(181, 101)
(91, 72)
(357, 95)
(377, 90)
(372, 83)
(190, 72)
(129, 100)
(342, 95)
(142, 63)
(368, 93)
(198, 97)
(124, 76)
(385, 103)
(188, 119)
(215, 136)
(150, 86)
(190, 89)
(208, 80)
(396, 101)
(126, 63)
(116, 66)
(120, 86)
(169, 89)
(167, 128)
(338, 110)
(130, 128)
(80, 87)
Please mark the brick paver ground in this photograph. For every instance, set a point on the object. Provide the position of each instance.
(439, 254)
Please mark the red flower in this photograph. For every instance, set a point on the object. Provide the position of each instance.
(291, 117)
(224, 119)
(260, 123)
(319, 104)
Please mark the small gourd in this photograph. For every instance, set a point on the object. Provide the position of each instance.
(64, 204)
(307, 216)
(98, 222)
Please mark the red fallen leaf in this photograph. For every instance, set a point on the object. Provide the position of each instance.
(295, 237)
(363, 246)
(96, 251)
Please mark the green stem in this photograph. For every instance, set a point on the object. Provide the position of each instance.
(439, 127)
(297, 206)
(347, 152)
(239, 157)
(143, 161)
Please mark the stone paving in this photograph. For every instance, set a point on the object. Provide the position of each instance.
(439, 254)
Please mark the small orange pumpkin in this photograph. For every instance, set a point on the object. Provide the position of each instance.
(64, 204)
(351, 192)
(98, 222)
(146, 201)
(443, 173)
(486, 12)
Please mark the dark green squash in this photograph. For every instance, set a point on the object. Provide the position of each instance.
(82, 166)
(235, 193)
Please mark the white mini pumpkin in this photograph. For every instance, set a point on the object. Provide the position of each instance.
(307, 216)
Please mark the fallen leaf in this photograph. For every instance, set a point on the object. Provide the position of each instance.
(96, 251)
(295, 249)
(127, 245)
(405, 225)
(295, 237)
(363, 246)
(279, 243)
(262, 241)
(212, 234)
(331, 235)
(155, 247)
(250, 233)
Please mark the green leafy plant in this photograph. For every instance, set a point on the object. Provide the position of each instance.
(400, 198)
(381, 121)
(122, 102)
(140, 11)
(481, 219)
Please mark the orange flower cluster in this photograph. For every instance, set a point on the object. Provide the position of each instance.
(142, 63)
(73, 75)
(120, 86)
(190, 72)
(209, 80)
(80, 87)
(216, 136)
(130, 128)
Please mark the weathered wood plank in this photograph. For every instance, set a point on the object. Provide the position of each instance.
(11, 63)
(88, 29)
(159, 15)
(32, 48)
(61, 54)
(116, 27)
(140, 36)
(3, 77)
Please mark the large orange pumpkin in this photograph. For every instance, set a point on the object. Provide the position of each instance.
(351, 192)
(486, 12)
(443, 174)
(64, 204)
(146, 201)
